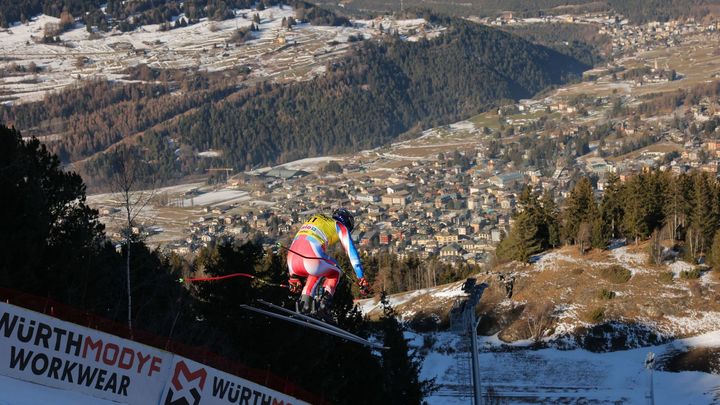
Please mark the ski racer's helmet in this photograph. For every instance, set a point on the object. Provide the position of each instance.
(344, 216)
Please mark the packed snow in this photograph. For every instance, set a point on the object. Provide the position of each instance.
(519, 376)
(218, 197)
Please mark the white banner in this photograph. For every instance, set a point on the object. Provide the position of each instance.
(45, 350)
(192, 383)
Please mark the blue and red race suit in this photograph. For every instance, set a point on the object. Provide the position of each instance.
(315, 236)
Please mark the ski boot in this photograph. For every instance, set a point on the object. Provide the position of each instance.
(324, 305)
(305, 305)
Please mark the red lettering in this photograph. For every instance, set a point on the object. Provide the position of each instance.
(141, 361)
(115, 350)
(182, 368)
(155, 365)
(126, 364)
(93, 346)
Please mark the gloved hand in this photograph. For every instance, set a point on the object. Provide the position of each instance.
(364, 286)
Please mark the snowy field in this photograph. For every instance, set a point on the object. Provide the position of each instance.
(218, 197)
(550, 376)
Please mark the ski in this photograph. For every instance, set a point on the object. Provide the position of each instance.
(307, 318)
(305, 321)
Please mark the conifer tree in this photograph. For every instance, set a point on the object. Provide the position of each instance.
(529, 234)
(551, 214)
(401, 366)
(634, 222)
(580, 208)
(50, 239)
(714, 257)
(611, 206)
(600, 233)
(702, 224)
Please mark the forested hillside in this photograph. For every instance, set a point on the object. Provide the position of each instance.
(367, 99)
(683, 209)
(638, 11)
(128, 15)
(580, 41)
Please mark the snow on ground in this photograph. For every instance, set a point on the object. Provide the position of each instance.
(224, 196)
(571, 376)
(679, 266)
(368, 305)
(308, 164)
(550, 261)
(449, 291)
(635, 262)
(210, 154)
(204, 45)
(693, 322)
(18, 392)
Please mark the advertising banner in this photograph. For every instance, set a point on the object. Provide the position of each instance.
(195, 384)
(45, 350)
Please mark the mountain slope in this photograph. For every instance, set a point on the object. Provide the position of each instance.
(582, 304)
(374, 95)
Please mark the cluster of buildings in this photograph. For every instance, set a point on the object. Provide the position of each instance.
(458, 206)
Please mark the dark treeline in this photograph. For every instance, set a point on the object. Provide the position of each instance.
(684, 209)
(98, 114)
(386, 272)
(638, 11)
(642, 11)
(129, 15)
(461, 8)
(579, 41)
(668, 102)
(72, 262)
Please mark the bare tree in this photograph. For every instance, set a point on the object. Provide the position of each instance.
(127, 182)
(539, 319)
(583, 236)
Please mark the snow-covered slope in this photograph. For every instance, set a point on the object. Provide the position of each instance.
(550, 376)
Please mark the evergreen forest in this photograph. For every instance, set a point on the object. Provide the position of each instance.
(683, 209)
(129, 15)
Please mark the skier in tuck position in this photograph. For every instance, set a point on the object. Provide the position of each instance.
(307, 257)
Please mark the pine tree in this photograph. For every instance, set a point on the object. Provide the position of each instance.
(529, 234)
(634, 223)
(714, 259)
(44, 212)
(580, 208)
(702, 225)
(611, 206)
(401, 366)
(551, 218)
(600, 233)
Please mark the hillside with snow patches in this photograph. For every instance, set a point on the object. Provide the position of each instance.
(300, 55)
(578, 356)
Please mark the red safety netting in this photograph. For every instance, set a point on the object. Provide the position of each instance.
(201, 355)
